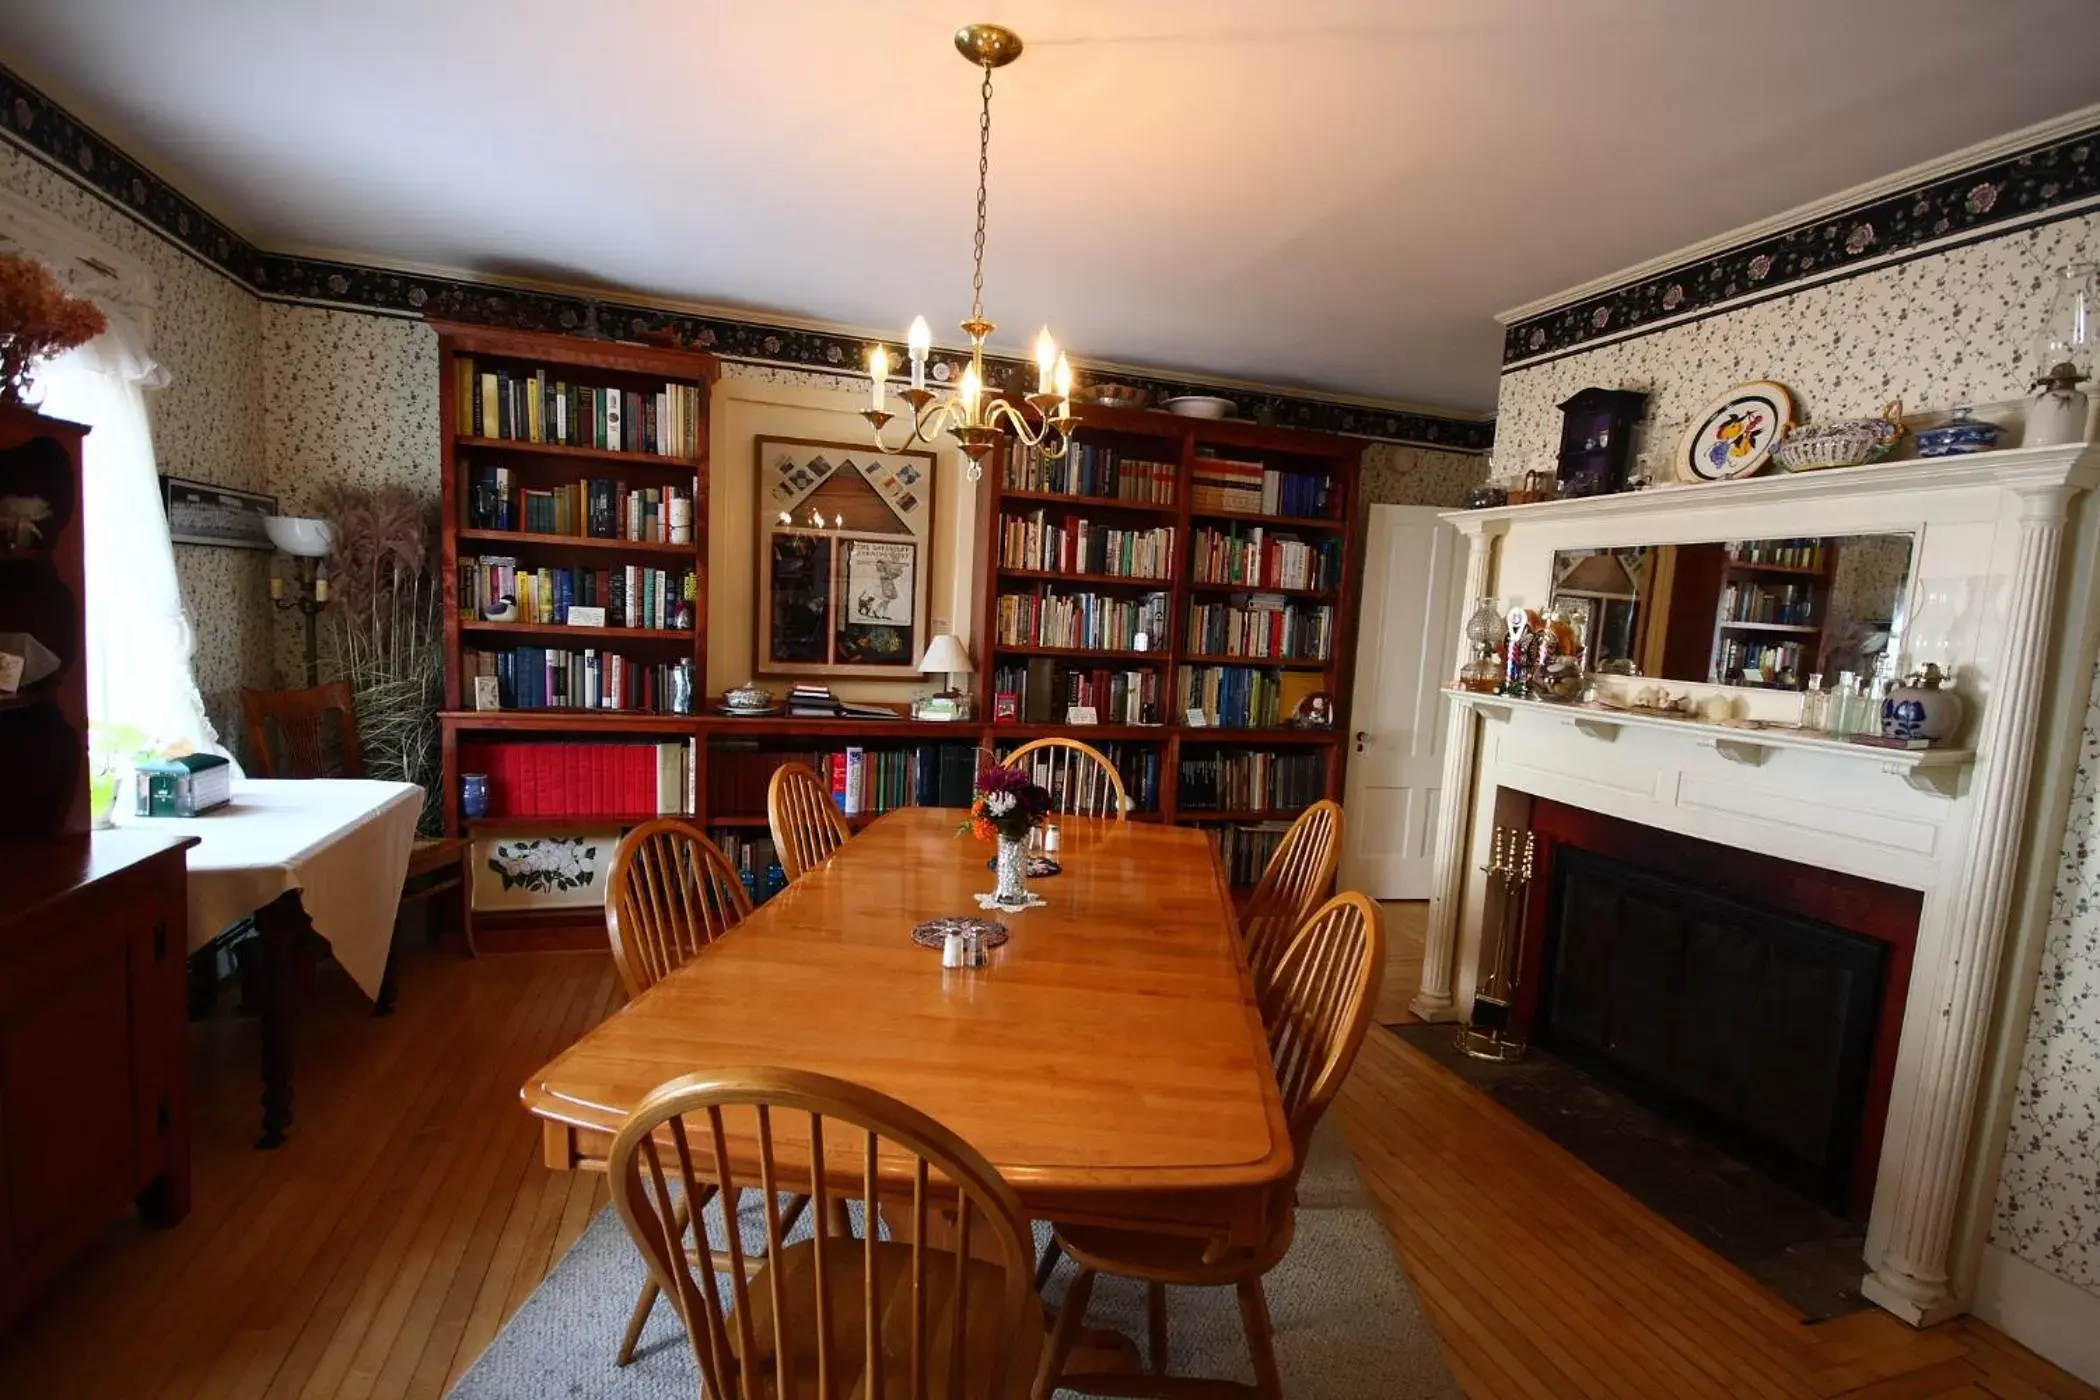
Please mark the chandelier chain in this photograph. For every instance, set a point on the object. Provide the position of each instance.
(984, 169)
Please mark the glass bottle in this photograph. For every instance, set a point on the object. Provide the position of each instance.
(1815, 705)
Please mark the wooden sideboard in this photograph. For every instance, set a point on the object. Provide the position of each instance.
(94, 1047)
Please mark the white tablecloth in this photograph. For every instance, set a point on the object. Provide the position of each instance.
(343, 843)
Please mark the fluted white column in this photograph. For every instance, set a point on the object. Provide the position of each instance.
(1919, 1204)
(1435, 1001)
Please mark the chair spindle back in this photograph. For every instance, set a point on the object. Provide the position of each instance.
(1319, 1005)
(805, 822)
(1080, 779)
(1295, 879)
(670, 893)
(302, 723)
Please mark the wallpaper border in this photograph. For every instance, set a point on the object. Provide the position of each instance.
(47, 131)
(2054, 179)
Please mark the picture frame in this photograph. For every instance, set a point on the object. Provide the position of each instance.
(524, 871)
(845, 560)
(200, 512)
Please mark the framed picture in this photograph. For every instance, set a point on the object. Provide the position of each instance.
(201, 513)
(844, 559)
(542, 871)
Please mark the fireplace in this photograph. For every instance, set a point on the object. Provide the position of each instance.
(1756, 1001)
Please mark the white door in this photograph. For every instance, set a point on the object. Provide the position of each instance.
(1406, 653)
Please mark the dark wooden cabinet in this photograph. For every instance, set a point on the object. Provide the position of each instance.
(94, 1047)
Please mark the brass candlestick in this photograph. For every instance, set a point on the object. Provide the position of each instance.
(1486, 1035)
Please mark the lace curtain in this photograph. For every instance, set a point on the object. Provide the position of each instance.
(139, 640)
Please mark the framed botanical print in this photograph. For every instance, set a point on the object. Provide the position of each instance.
(845, 539)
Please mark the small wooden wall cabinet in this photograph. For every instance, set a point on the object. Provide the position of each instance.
(94, 1047)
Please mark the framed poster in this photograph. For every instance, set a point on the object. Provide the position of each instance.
(845, 538)
(545, 871)
(201, 513)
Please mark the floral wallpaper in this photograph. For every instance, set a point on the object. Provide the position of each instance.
(1399, 475)
(1951, 328)
(207, 425)
(1945, 329)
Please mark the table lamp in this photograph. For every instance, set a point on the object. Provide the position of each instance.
(945, 656)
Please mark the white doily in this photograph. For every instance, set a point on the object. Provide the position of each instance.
(992, 901)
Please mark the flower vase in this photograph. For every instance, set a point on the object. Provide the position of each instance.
(1013, 872)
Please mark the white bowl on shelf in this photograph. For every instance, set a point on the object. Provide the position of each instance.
(296, 535)
(1198, 406)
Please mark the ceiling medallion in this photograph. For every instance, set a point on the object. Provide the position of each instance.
(974, 417)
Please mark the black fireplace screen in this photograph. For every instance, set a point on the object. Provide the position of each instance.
(1754, 1025)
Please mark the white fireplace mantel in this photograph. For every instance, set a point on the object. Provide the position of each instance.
(1998, 597)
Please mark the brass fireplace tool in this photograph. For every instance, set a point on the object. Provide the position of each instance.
(1486, 1035)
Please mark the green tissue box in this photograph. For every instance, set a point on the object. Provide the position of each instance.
(183, 787)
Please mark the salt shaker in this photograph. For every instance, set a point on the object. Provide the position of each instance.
(1050, 838)
(955, 949)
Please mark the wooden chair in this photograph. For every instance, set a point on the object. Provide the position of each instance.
(1295, 879)
(1317, 1010)
(805, 822)
(669, 894)
(312, 733)
(830, 1315)
(1081, 780)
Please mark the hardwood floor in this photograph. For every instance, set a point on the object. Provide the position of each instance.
(376, 1254)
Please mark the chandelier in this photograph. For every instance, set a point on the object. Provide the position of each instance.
(974, 415)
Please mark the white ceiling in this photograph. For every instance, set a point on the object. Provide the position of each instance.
(1336, 194)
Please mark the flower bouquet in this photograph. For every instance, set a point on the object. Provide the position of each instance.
(1006, 807)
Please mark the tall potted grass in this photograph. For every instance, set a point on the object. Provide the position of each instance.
(384, 635)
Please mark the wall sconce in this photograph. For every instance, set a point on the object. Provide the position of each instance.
(308, 542)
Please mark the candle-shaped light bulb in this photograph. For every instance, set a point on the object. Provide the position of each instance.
(919, 341)
(1064, 383)
(276, 585)
(786, 519)
(320, 588)
(879, 371)
(1046, 360)
(972, 390)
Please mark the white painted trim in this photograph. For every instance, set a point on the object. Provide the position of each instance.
(2037, 1309)
(1925, 172)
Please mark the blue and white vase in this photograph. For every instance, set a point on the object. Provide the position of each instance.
(1919, 708)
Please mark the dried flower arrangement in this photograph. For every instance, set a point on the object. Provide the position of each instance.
(38, 319)
(385, 636)
(1007, 804)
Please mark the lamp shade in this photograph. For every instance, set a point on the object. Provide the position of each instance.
(944, 656)
(307, 539)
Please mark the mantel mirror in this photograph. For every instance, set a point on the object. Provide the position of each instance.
(1766, 613)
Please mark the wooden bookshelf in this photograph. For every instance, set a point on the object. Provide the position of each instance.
(1182, 443)
(1744, 577)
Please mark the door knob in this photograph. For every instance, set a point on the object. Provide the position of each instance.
(1363, 736)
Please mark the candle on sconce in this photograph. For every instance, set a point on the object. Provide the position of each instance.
(919, 342)
(1064, 385)
(1046, 360)
(320, 588)
(276, 587)
(972, 391)
(879, 370)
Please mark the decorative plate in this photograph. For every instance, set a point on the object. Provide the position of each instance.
(934, 932)
(1039, 867)
(1198, 406)
(1735, 435)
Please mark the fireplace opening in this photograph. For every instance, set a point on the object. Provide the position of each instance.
(1755, 1001)
(1754, 1025)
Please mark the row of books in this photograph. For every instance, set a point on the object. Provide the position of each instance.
(1249, 488)
(1260, 558)
(1248, 781)
(598, 508)
(1137, 764)
(1244, 848)
(1090, 469)
(1073, 544)
(532, 406)
(1792, 605)
(812, 701)
(632, 595)
(756, 859)
(1266, 625)
(564, 678)
(1787, 554)
(1116, 697)
(1233, 697)
(533, 779)
(862, 779)
(1737, 662)
(1046, 617)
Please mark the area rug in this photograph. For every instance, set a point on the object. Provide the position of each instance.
(1347, 1324)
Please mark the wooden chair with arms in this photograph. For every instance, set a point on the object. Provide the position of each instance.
(1294, 881)
(1317, 1010)
(312, 733)
(830, 1315)
(805, 822)
(1081, 780)
(669, 894)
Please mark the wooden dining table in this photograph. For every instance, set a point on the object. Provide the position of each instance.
(1109, 1059)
